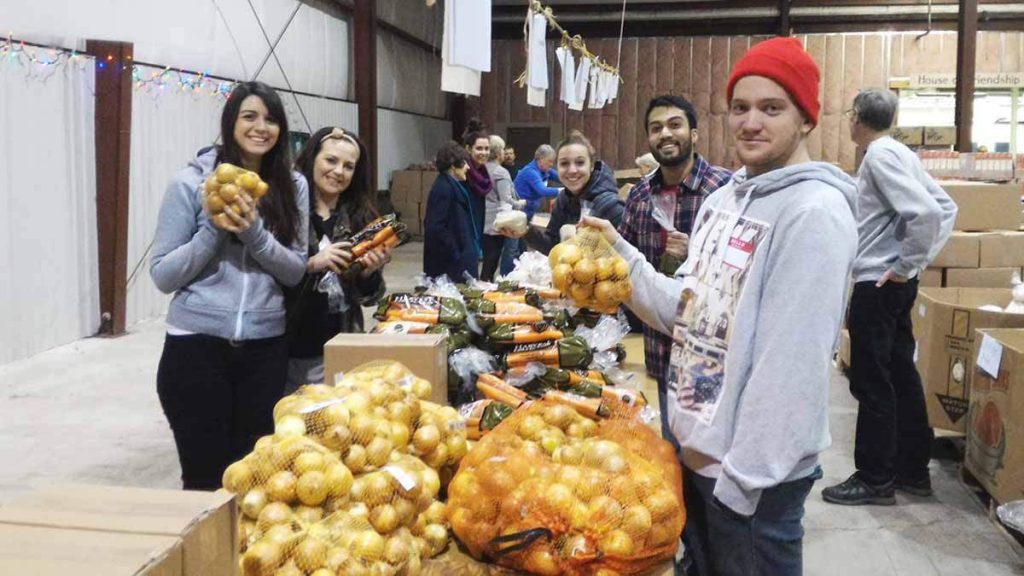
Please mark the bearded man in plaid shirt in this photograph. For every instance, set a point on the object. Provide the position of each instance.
(681, 184)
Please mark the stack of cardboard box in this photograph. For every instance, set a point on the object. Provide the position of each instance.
(409, 190)
(988, 246)
(78, 529)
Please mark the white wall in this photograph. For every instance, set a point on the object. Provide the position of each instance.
(49, 278)
(168, 127)
(193, 35)
(406, 139)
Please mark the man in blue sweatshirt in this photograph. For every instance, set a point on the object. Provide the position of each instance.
(904, 220)
(532, 181)
(754, 313)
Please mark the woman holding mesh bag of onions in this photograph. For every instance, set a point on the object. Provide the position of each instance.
(589, 190)
(225, 356)
(330, 298)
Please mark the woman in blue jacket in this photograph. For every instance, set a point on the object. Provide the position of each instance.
(451, 241)
(225, 357)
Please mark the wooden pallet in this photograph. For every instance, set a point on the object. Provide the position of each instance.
(975, 489)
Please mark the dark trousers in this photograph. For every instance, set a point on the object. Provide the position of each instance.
(893, 437)
(513, 248)
(491, 246)
(720, 542)
(666, 430)
(219, 399)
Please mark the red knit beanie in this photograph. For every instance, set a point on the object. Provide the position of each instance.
(784, 61)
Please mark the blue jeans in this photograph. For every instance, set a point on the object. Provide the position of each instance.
(666, 430)
(510, 251)
(723, 543)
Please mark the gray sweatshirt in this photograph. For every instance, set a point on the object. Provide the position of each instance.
(766, 281)
(503, 192)
(904, 219)
(225, 287)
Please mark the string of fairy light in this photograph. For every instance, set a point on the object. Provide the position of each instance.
(42, 62)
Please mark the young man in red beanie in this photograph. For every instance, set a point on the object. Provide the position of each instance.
(754, 313)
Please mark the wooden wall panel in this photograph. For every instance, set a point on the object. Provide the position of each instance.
(646, 88)
(683, 52)
(627, 125)
(666, 66)
(815, 46)
(700, 76)
(697, 68)
(875, 66)
(853, 81)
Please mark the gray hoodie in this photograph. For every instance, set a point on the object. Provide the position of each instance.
(223, 286)
(754, 331)
(904, 216)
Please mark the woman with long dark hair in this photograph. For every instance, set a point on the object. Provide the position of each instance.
(225, 357)
(478, 180)
(337, 166)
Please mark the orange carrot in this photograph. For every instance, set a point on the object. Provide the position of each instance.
(549, 293)
(414, 315)
(591, 375)
(378, 239)
(516, 318)
(498, 394)
(499, 384)
(623, 396)
(548, 356)
(592, 408)
(518, 296)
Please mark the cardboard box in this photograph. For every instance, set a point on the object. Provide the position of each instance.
(931, 278)
(206, 523)
(427, 178)
(962, 250)
(1002, 249)
(983, 206)
(43, 551)
(939, 136)
(980, 277)
(844, 348)
(411, 215)
(995, 435)
(944, 323)
(406, 184)
(425, 354)
(909, 135)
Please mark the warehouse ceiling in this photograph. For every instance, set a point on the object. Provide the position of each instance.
(601, 18)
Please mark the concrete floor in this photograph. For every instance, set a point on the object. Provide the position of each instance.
(88, 412)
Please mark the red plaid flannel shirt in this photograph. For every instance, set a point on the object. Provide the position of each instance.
(639, 229)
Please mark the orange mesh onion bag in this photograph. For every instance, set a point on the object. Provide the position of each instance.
(551, 492)
(588, 270)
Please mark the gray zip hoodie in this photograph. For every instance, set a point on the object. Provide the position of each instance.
(754, 331)
(905, 218)
(225, 287)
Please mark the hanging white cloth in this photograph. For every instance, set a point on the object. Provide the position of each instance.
(537, 62)
(582, 80)
(471, 34)
(595, 96)
(455, 78)
(615, 87)
(567, 63)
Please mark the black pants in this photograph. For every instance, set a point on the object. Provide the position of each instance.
(893, 436)
(219, 399)
(492, 246)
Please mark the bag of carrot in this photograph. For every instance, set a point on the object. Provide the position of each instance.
(569, 352)
(421, 308)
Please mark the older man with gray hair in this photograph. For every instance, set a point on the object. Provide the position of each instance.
(904, 219)
(532, 182)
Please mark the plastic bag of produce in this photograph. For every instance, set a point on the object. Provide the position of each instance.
(483, 415)
(421, 308)
(568, 352)
(225, 185)
(587, 269)
(531, 268)
(551, 492)
(487, 313)
(514, 221)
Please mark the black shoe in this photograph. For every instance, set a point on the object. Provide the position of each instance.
(856, 492)
(922, 487)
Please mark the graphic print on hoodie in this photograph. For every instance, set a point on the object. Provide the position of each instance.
(727, 244)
